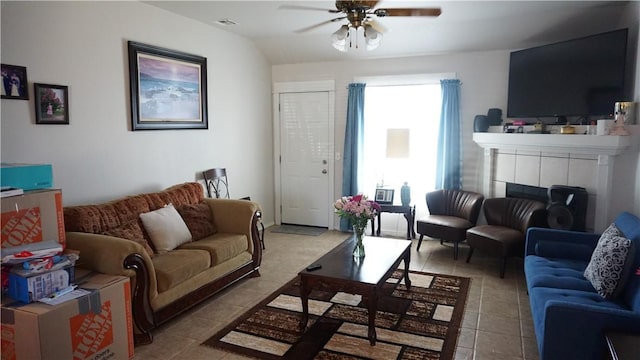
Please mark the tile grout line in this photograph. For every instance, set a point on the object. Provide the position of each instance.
(475, 338)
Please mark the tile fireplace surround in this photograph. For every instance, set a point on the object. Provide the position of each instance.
(555, 159)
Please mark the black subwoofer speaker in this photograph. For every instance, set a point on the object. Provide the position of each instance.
(567, 207)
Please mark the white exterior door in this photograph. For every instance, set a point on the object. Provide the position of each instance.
(306, 166)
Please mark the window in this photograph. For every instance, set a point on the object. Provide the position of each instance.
(415, 107)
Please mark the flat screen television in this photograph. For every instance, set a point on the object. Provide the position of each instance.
(581, 77)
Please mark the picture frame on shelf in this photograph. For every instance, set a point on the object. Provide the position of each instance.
(384, 196)
(51, 104)
(168, 88)
(14, 82)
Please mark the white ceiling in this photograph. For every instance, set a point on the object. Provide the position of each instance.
(463, 26)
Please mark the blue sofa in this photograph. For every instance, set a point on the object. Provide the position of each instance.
(569, 316)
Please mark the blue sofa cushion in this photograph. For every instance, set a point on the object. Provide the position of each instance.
(554, 249)
(556, 273)
(610, 263)
(572, 322)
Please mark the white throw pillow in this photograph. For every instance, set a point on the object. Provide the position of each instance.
(166, 228)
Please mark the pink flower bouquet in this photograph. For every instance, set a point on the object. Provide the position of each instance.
(357, 209)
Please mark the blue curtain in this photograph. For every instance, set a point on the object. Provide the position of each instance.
(353, 140)
(449, 163)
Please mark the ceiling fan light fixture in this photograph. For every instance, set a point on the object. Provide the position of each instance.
(372, 37)
(339, 38)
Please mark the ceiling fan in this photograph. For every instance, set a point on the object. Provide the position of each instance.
(359, 14)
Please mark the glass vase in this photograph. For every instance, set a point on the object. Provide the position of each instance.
(358, 249)
(405, 194)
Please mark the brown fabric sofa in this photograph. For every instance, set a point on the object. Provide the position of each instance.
(111, 239)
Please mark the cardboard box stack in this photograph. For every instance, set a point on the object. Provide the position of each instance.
(94, 326)
(26, 176)
(43, 315)
(32, 245)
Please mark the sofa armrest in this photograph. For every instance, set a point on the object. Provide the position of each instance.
(116, 256)
(576, 331)
(561, 243)
(234, 216)
(107, 254)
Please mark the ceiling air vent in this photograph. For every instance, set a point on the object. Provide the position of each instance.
(226, 22)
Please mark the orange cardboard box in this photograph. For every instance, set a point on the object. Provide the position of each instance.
(32, 217)
(94, 326)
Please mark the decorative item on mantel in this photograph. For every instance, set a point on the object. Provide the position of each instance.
(494, 115)
(618, 127)
(481, 123)
(359, 211)
(622, 110)
(627, 108)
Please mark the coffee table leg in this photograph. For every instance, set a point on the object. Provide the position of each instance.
(373, 307)
(407, 260)
(304, 296)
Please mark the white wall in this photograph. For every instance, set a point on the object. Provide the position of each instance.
(84, 45)
(484, 77)
(96, 157)
(484, 80)
(483, 86)
(633, 22)
(626, 181)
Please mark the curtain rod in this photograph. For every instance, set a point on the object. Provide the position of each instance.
(390, 85)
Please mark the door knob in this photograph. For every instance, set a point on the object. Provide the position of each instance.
(324, 171)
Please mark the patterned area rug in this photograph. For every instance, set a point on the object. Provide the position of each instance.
(299, 230)
(420, 323)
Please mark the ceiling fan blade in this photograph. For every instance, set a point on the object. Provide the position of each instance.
(302, 7)
(308, 28)
(408, 12)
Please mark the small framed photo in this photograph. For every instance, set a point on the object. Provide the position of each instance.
(52, 104)
(14, 82)
(384, 196)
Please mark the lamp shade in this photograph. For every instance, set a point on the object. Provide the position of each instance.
(397, 143)
(372, 37)
(339, 38)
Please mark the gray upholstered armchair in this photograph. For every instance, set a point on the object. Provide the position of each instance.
(451, 213)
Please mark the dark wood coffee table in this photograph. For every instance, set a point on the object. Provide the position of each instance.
(340, 272)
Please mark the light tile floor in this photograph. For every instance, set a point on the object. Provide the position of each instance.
(497, 323)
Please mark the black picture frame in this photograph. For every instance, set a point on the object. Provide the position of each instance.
(168, 88)
(384, 196)
(14, 81)
(51, 104)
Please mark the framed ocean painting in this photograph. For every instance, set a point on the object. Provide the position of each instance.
(168, 89)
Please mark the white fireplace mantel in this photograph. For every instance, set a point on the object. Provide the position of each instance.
(605, 147)
(582, 144)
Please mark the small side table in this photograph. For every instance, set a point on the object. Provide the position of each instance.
(409, 213)
(623, 346)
